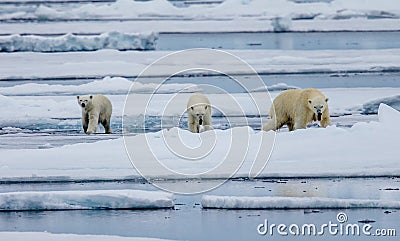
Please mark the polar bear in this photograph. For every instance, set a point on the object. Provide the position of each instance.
(199, 113)
(297, 108)
(95, 109)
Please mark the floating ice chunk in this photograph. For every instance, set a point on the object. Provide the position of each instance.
(371, 107)
(281, 24)
(107, 86)
(275, 87)
(71, 42)
(88, 199)
(388, 115)
(44, 236)
(236, 202)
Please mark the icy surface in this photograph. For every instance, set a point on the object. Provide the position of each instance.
(371, 107)
(71, 42)
(53, 109)
(131, 63)
(92, 199)
(227, 16)
(210, 26)
(162, 9)
(107, 85)
(239, 202)
(44, 236)
(275, 87)
(314, 152)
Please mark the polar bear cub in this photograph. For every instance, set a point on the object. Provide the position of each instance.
(199, 113)
(297, 108)
(95, 109)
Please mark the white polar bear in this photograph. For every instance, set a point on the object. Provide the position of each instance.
(199, 113)
(296, 108)
(95, 109)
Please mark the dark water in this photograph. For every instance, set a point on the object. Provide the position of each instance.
(317, 80)
(282, 41)
(188, 221)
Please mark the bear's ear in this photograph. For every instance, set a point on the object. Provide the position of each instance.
(326, 100)
(91, 97)
(77, 97)
(309, 101)
(192, 108)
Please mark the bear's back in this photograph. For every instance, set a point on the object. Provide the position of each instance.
(197, 99)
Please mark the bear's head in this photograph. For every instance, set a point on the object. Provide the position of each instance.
(198, 111)
(318, 105)
(85, 101)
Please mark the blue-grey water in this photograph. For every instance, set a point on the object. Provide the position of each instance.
(189, 221)
(317, 80)
(283, 41)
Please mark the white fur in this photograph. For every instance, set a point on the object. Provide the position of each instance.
(97, 109)
(296, 108)
(199, 109)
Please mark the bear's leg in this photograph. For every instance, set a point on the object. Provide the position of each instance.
(106, 124)
(269, 126)
(85, 121)
(191, 124)
(325, 120)
(300, 124)
(194, 127)
(93, 123)
(273, 125)
(207, 123)
(290, 125)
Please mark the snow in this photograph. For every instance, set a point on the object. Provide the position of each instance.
(88, 199)
(281, 24)
(229, 16)
(366, 149)
(240, 202)
(45, 236)
(48, 108)
(275, 87)
(71, 42)
(228, 9)
(131, 63)
(198, 26)
(371, 107)
(388, 115)
(107, 85)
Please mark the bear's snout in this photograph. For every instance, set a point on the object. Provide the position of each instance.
(83, 105)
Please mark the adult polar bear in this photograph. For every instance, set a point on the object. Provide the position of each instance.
(95, 109)
(297, 108)
(199, 113)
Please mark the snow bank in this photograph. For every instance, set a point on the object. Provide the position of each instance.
(366, 149)
(88, 199)
(237, 202)
(107, 86)
(132, 63)
(201, 26)
(371, 107)
(228, 9)
(38, 236)
(71, 42)
(275, 87)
